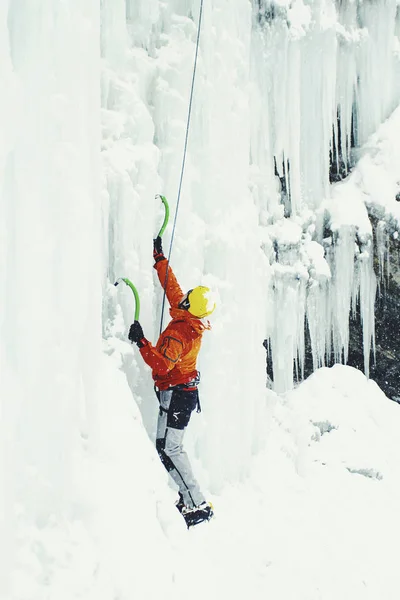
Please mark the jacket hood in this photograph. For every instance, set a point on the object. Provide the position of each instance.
(198, 325)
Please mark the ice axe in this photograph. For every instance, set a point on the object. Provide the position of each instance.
(166, 216)
(135, 293)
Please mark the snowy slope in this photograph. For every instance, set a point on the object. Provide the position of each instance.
(315, 517)
(119, 510)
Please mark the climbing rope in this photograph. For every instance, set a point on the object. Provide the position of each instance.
(183, 161)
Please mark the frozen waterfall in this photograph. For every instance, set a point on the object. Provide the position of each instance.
(286, 94)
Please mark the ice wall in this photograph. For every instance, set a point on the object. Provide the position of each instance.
(69, 430)
(330, 71)
(145, 103)
(287, 91)
(50, 292)
(325, 75)
(283, 99)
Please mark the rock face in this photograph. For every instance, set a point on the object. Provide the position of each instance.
(385, 367)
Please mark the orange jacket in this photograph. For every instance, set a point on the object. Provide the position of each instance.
(173, 359)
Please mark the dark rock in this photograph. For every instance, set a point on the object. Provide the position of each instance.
(385, 367)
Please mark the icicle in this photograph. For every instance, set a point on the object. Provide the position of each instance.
(287, 339)
(375, 65)
(319, 322)
(346, 80)
(342, 266)
(289, 282)
(382, 249)
(367, 303)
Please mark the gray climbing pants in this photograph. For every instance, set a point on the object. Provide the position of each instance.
(176, 406)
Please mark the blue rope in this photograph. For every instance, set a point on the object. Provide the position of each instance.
(183, 162)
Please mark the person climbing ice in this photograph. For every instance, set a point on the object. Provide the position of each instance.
(173, 363)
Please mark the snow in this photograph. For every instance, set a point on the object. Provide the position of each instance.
(314, 516)
(304, 481)
(320, 502)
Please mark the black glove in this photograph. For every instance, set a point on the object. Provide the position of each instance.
(136, 334)
(158, 253)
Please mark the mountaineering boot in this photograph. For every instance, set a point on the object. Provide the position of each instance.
(198, 514)
(180, 505)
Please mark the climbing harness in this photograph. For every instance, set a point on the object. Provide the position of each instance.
(183, 160)
(190, 386)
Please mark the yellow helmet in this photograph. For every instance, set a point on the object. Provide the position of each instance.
(198, 302)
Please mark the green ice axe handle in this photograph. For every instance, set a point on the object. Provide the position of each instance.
(135, 293)
(166, 218)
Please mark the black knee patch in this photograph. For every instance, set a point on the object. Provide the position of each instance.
(166, 461)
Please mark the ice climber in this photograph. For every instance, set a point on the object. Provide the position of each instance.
(173, 364)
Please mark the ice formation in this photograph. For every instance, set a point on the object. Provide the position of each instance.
(317, 69)
(288, 92)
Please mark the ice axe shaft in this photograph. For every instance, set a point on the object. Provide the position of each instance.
(166, 216)
(135, 293)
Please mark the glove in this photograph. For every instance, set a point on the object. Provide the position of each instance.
(157, 249)
(136, 334)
